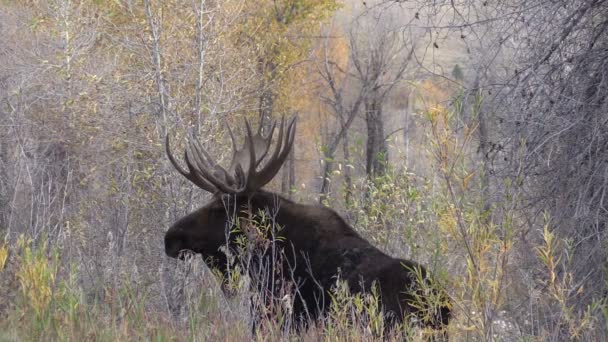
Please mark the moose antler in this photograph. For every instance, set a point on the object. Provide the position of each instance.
(243, 175)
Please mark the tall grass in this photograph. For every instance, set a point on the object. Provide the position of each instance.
(48, 304)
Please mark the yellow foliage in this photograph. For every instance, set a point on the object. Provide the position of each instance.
(278, 37)
(447, 222)
(432, 93)
(3, 256)
(37, 274)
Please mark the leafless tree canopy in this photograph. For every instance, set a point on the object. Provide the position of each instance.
(547, 116)
(542, 71)
(556, 122)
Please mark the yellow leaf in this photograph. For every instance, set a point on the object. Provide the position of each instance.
(3, 256)
(467, 179)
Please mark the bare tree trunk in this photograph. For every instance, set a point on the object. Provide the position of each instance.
(325, 184)
(288, 176)
(201, 42)
(406, 132)
(348, 180)
(266, 100)
(330, 153)
(266, 104)
(485, 158)
(66, 20)
(157, 59)
(292, 172)
(376, 149)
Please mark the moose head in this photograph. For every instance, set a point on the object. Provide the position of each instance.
(310, 248)
(204, 231)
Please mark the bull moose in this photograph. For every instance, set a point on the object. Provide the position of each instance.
(307, 247)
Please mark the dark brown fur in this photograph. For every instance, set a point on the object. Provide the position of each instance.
(316, 246)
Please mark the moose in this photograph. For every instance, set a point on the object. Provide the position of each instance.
(307, 247)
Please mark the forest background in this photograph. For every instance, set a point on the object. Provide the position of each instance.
(467, 135)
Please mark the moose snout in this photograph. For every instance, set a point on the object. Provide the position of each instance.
(174, 245)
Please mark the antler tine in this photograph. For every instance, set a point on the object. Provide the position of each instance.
(172, 159)
(288, 142)
(232, 139)
(209, 163)
(269, 141)
(251, 148)
(282, 149)
(261, 125)
(203, 171)
(279, 141)
(202, 153)
(196, 177)
(192, 177)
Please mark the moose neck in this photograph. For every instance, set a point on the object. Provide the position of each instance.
(262, 217)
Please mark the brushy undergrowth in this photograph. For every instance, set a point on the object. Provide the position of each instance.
(472, 246)
(43, 301)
